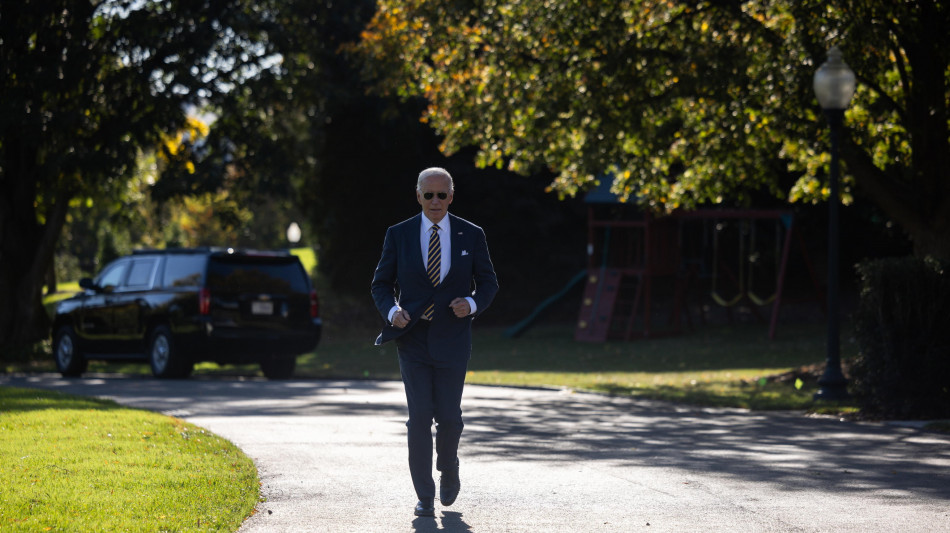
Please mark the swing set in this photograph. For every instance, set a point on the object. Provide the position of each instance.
(749, 256)
(743, 254)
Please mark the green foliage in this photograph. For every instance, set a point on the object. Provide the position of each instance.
(125, 71)
(86, 84)
(91, 89)
(684, 103)
(81, 464)
(903, 329)
(636, 87)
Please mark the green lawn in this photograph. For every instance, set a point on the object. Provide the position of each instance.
(733, 365)
(71, 463)
(75, 464)
(726, 365)
(717, 365)
(80, 464)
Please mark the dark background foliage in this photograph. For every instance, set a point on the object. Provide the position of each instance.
(903, 329)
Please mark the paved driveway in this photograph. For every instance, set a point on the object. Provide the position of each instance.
(332, 457)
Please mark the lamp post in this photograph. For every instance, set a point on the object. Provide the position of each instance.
(834, 86)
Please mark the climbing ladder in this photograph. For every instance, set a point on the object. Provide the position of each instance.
(612, 303)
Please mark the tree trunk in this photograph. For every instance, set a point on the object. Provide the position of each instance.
(51, 285)
(26, 248)
(22, 271)
(923, 212)
(918, 197)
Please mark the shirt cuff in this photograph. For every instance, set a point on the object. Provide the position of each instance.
(471, 303)
(391, 313)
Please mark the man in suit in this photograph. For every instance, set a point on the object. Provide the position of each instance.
(423, 288)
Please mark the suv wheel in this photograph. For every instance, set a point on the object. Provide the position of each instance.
(279, 367)
(165, 359)
(69, 360)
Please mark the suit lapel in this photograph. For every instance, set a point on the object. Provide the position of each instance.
(415, 245)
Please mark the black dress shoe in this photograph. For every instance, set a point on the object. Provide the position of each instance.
(425, 507)
(449, 486)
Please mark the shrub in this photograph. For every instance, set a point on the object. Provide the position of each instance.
(902, 324)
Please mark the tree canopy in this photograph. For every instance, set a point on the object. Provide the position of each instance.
(87, 86)
(684, 103)
(100, 151)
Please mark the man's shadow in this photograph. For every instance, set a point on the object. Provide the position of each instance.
(450, 521)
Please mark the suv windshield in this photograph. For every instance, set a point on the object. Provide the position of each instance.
(256, 274)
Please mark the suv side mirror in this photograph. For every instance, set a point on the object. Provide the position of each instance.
(86, 283)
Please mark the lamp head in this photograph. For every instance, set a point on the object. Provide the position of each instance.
(293, 233)
(834, 82)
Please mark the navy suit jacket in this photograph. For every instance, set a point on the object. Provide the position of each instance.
(401, 279)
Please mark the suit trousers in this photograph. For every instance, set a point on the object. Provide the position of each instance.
(433, 392)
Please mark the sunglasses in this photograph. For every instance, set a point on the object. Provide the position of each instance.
(441, 195)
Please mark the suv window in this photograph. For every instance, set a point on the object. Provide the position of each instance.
(183, 270)
(112, 276)
(140, 276)
(245, 274)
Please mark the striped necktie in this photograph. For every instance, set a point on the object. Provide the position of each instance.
(433, 266)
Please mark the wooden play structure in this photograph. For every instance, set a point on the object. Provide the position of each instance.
(642, 269)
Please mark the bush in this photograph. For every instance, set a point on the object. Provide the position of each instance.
(902, 324)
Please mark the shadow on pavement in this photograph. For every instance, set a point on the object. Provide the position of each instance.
(450, 521)
(790, 449)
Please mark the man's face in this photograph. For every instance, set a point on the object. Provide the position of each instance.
(434, 207)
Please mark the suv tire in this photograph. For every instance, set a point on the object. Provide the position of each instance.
(279, 367)
(166, 360)
(70, 362)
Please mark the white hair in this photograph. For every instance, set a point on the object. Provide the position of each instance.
(435, 171)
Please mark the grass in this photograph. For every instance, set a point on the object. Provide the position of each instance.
(79, 464)
(308, 258)
(726, 365)
(729, 365)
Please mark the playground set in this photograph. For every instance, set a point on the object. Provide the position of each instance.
(645, 273)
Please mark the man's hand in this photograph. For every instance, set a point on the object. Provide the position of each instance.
(400, 318)
(460, 307)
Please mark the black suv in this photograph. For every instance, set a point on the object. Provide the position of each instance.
(176, 307)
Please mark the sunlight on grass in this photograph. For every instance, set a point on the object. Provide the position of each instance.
(81, 464)
(727, 388)
(63, 291)
(308, 258)
(729, 366)
(721, 365)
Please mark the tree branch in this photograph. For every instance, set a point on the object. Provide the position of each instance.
(896, 199)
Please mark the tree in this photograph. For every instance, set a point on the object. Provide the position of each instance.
(371, 150)
(85, 85)
(684, 102)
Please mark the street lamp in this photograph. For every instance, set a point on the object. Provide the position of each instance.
(834, 85)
